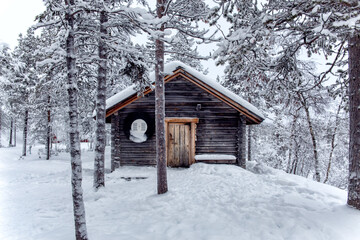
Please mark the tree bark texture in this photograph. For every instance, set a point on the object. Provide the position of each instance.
(0, 127)
(241, 152)
(313, 138)
(48, 130)
(333, 145)
(354, 104)
(295, 162)
(115, 141)
(249, 143)
(249, 138)
(11, 133)
(100, 132)
(25, 131)
(160, 106)
(76, 174)
(292, 137)
(14, 133)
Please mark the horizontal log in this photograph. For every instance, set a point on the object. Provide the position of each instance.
(215, 150)
(144, 159)
(215, 127)
(138, 164)
(215, 139)
(186, 99)
(177, 92)
(216, 134)
(223, 148)
(223, 132)
(217, 144)
(134, 152)
(179, 83)
(130, 157)
(214, 124)
(146, 107)
(137, 152)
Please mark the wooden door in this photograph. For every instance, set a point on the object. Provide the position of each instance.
(178, 145)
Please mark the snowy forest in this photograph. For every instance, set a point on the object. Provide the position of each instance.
(297, 61)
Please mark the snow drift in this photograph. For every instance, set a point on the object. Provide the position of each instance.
(212, 202)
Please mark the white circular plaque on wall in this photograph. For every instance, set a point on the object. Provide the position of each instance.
(138, 130)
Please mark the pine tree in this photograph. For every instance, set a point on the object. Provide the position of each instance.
(162, 186)
(78, 203)
(50, 88)
(5, 71)
(25, 79)
(327, 27)
(180, 15)
(319, 26)
(103, 23)
(354, 103)
(99, 162)
(182, 49)
(62, 15)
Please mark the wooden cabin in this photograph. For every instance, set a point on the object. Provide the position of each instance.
(205, 122)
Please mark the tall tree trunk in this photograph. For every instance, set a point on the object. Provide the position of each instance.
(115, 141)
(249, 138)
(241, 142)
(76, 174)
(11, 133)
(294, 165)
(160, 105)
(313, 138)
(25, 131)
(333, 145)
(48, 129)
(292, 139)
(0, 126)
(249, 143)
(99, 162)
(14, 138)
(354, 104)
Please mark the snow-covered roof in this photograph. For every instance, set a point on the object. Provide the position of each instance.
(169, 69)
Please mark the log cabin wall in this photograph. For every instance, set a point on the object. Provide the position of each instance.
(216, 132)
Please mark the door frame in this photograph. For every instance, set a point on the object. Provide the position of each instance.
(193, 122)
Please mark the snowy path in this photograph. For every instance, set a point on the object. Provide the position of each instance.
(210, 202)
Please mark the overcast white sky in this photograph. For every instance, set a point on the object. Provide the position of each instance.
(16, 16)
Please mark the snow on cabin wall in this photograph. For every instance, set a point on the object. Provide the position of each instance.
(216, 131)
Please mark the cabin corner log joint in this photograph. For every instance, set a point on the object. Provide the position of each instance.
(204, 122)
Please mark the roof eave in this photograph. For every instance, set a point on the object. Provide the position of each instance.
(251, 117)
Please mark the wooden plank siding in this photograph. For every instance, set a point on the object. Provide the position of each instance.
(216, 131)
(115, 141)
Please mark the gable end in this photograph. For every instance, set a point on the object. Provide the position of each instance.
(251, 117)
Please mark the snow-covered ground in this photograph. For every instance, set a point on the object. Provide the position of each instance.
(216, 202)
